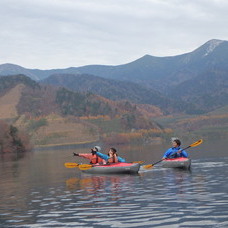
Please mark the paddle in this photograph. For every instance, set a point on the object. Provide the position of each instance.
(140, 162)
(85, 166)
(197, 143)
(71, 165)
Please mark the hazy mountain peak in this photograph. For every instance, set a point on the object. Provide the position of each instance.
(10, 66)
(211, 45)
(13, 69)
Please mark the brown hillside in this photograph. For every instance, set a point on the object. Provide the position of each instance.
(62, 131)
(146, 110)
(59, 131)
(9, 101)
(149, 111)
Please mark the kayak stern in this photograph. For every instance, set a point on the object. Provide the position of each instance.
(181, 163)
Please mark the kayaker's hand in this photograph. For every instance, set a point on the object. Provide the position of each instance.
(93, 151)
(75, 154)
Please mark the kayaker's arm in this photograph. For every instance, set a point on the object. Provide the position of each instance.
(87, 156)
(121, 159)
(183, 153)
(180, 152)
(167, 153)
(103, 156)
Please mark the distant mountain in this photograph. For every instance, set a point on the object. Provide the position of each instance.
(117, 90)
(12, 69)
(208, 91)
(163, 74)
(111, 89)
(156, 72)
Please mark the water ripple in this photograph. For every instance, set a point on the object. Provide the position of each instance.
(156, 198)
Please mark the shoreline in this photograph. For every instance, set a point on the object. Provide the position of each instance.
(65, 146)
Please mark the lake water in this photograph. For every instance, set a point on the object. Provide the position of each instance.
(38, 191)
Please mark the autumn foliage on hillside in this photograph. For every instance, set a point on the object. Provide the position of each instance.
(81, 104)
(11, 140)
(202, 121)
(38, 101)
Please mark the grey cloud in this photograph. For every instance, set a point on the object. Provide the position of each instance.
(62, 33)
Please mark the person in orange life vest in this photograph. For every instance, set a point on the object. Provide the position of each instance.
(112, 156)
(93, 157)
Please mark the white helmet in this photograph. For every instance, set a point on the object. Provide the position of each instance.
(97, 148)
(174, 138)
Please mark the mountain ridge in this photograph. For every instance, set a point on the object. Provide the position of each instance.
(116, 90)
(38, 99)
(161, 77)
(139, 70)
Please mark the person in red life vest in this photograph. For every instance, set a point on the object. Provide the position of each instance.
(112, 156)
(93, 157)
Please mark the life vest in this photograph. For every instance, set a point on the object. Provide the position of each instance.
(95, 160)
(113, 159)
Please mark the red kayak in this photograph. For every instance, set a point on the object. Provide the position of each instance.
(184, 163)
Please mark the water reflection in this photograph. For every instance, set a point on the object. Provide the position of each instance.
(104, 186)
(4, 157)
(177, 179)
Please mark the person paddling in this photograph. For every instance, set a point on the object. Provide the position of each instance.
(175, 151)
(93, 157)
(112, 156)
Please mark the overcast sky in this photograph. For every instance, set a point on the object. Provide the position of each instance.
(49, 34)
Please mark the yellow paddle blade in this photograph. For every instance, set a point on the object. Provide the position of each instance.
(85, 166)
(139, 162)
(71, 165)
(148, 166)
(196, 143)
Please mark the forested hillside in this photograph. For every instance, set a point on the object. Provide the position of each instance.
(120, 90)
(53, 115)
(208, 91)
(9, 82)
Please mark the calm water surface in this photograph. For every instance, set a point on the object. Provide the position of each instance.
(38, 191)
